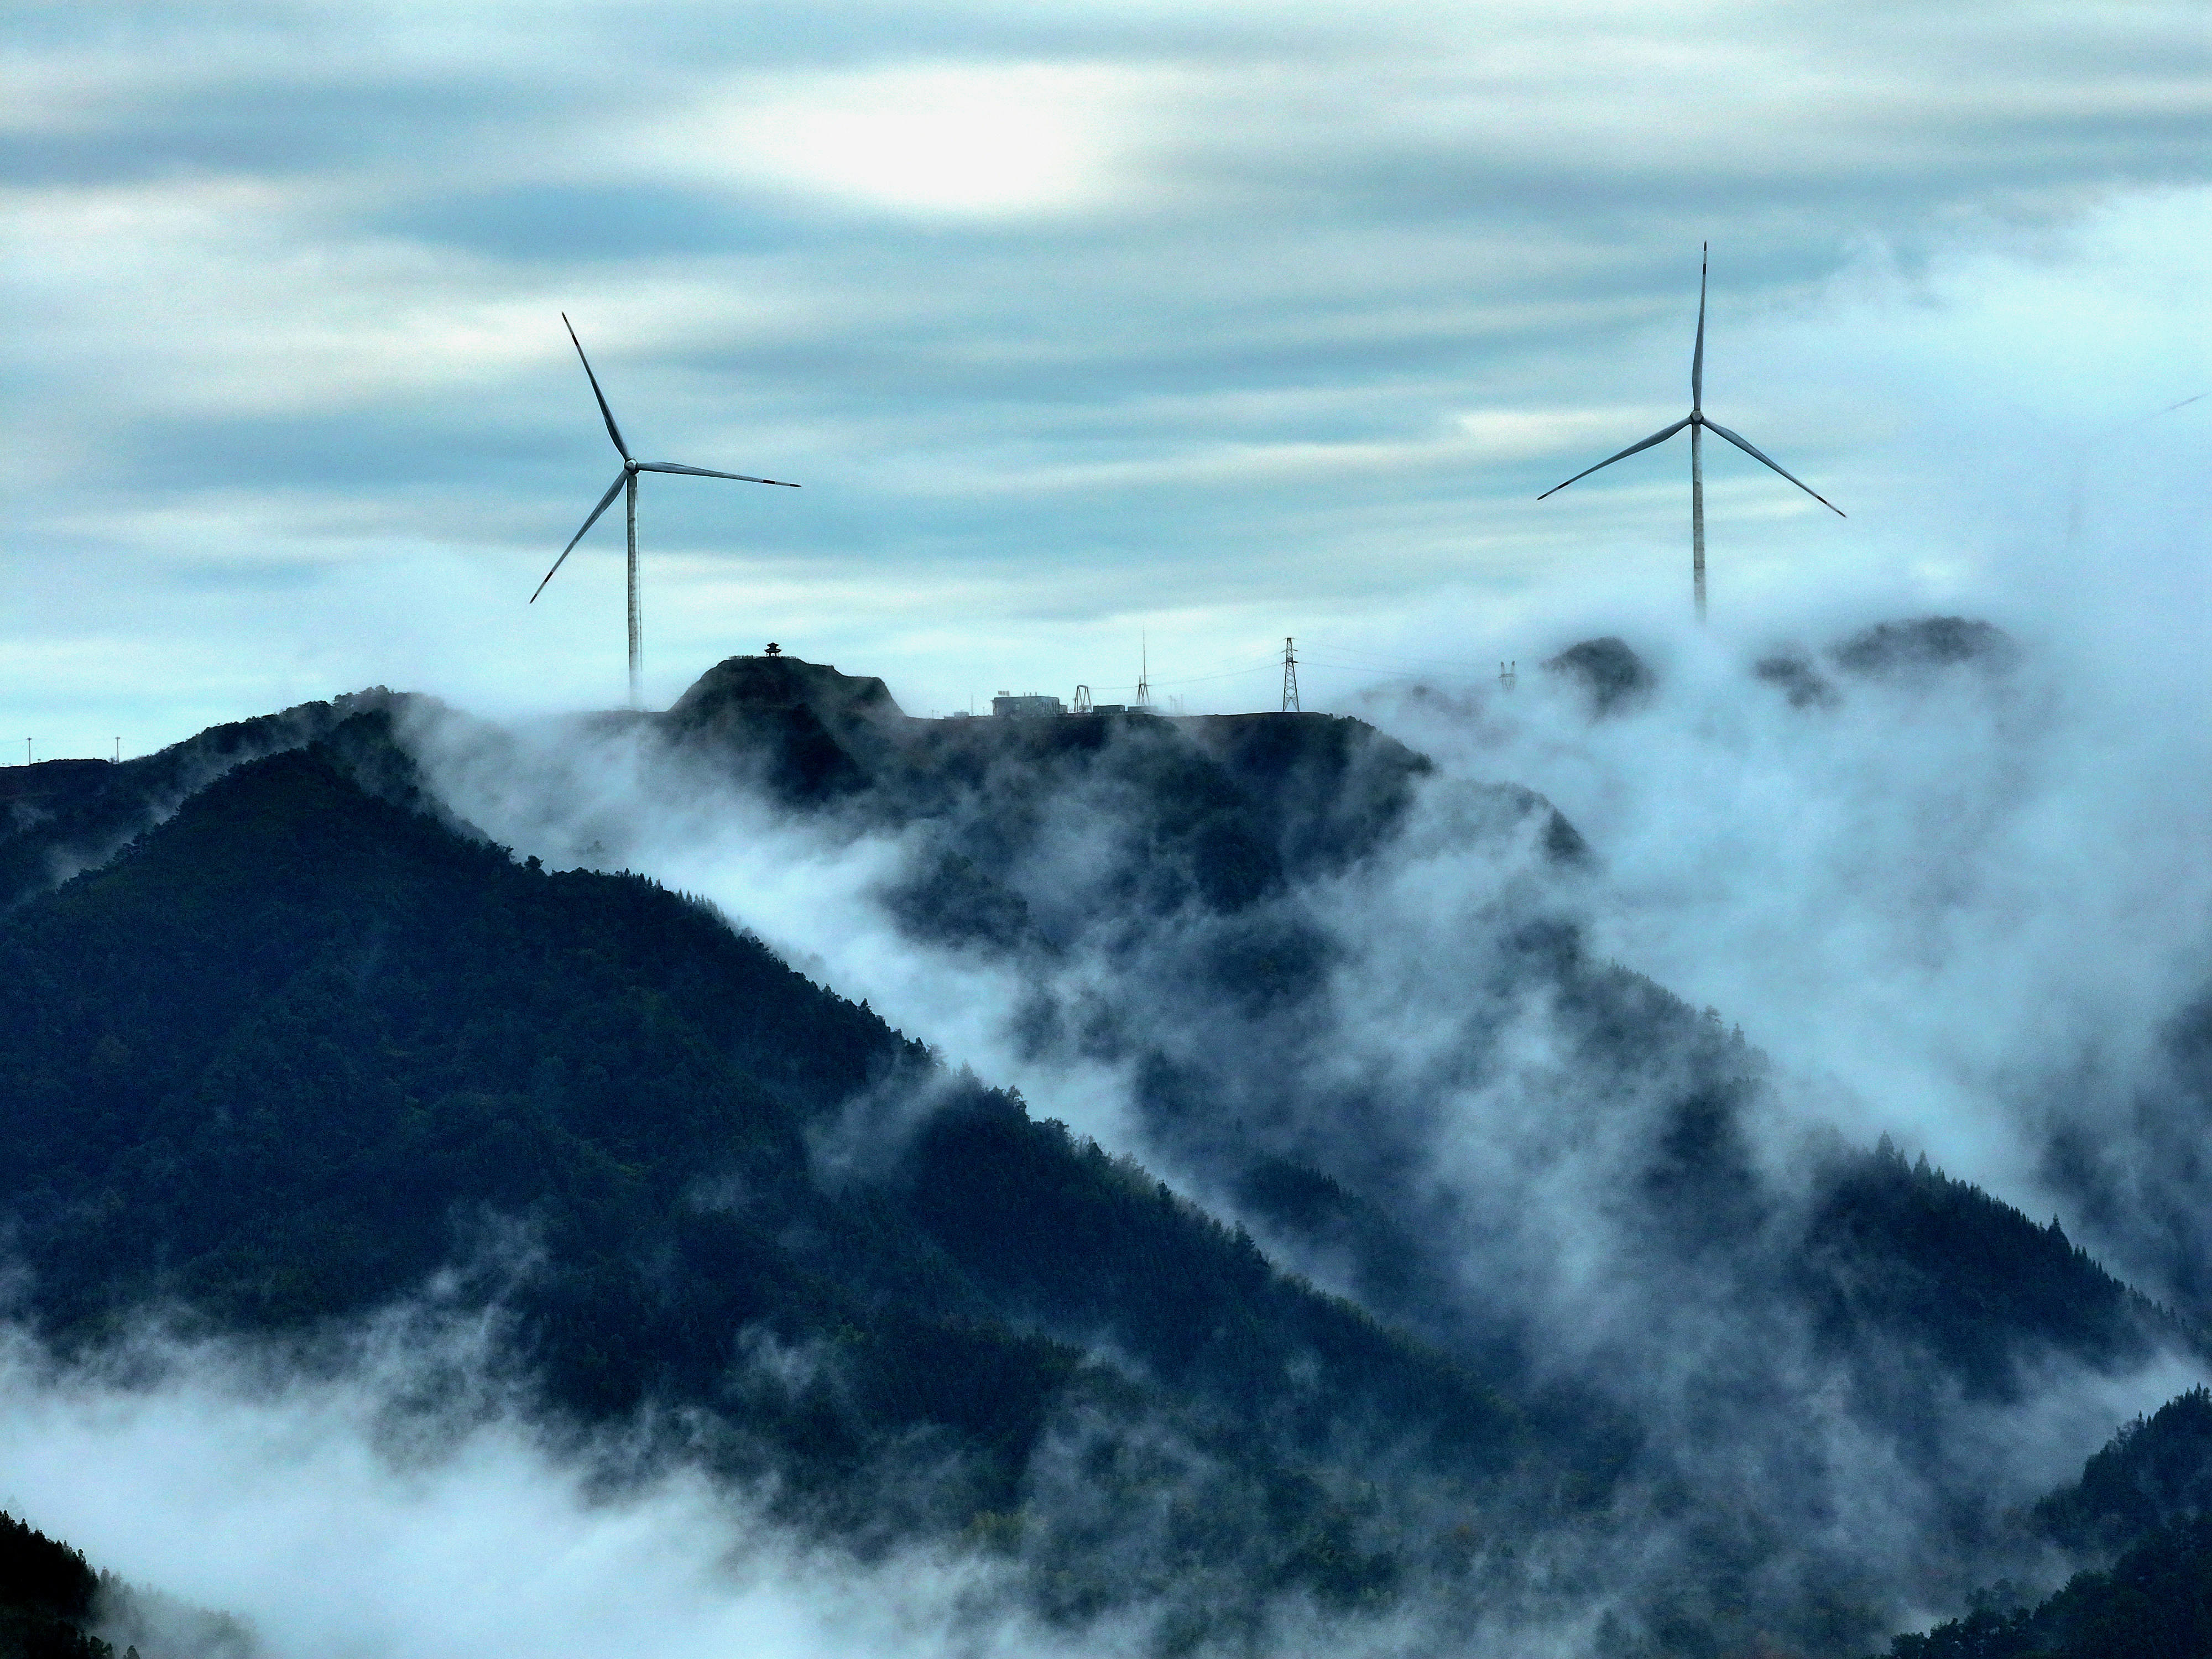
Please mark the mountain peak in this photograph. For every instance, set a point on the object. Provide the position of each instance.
(781, 681)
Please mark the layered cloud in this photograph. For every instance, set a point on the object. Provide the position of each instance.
(1076, 322)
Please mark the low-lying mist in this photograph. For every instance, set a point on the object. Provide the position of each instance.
(388, 1490)
(395, 1500)
(1953, 882)
(1922, 880)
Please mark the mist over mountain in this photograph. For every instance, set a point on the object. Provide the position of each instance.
(303, 1052)
(65, 816)
(1623, 1341)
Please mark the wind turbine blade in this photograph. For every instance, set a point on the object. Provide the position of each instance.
(613, 431)
(1697, 358)
(1655, 438)
(702, 472)
(1769, 461)
(605, 501)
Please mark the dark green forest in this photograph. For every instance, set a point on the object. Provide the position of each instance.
(54, 1605)
(310, 1049)
(1905, 1252)
(2145, 1499)
(302, 1046)
(47, 1597)
(60, 816)
(2155, 1602)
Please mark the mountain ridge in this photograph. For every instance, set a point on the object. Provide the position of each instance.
(360, 1000)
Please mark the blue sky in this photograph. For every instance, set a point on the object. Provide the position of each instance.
(1080, 324)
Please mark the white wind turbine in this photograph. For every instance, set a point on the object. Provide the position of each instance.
(627, 479)
(1696, 421)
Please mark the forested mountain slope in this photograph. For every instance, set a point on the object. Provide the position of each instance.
(302, 1046)
(54, 1605)
(1204, 899)
(314, 1047)
(47, 1597)
(2144, 1505)
(60, 816)
(1047, 841)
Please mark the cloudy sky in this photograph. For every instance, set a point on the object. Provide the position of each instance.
(1083, 326)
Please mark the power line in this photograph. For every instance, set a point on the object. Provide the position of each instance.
(1397, 661)
(1201, 679)
(1380, 672)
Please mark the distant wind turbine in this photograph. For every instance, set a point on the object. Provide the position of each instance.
(627, 479)
(1697, 424)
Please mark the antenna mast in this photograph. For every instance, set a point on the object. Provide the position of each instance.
(1290, 677)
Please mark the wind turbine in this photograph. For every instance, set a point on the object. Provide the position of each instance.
(1697, 424)
(627, 480)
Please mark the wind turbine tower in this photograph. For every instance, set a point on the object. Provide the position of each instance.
(1696, 421)
(625, 481)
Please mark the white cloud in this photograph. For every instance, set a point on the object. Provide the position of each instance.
(342, 1518)
(976, 140)
(1027, 296)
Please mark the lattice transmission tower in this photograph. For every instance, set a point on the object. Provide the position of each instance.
(1290, 677)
